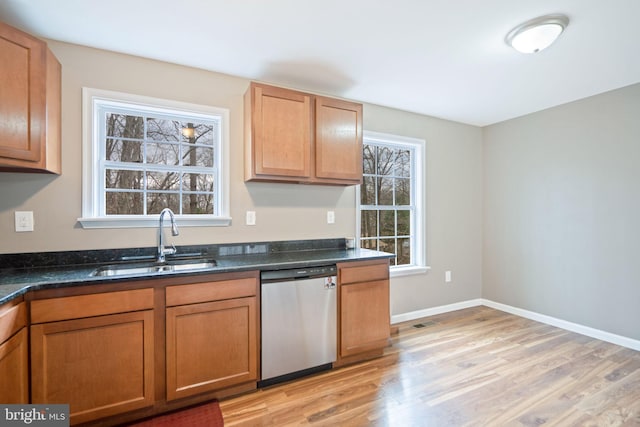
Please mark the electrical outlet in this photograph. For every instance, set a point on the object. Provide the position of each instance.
(447, 276)
(251, 218)
(24, 221)
(331, 217)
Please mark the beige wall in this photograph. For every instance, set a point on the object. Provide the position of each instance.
(284, 211)
(562, 212)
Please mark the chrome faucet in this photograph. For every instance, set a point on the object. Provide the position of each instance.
(162, 251)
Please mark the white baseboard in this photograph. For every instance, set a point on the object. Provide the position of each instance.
(563, 324)
(559, 323)
(412, 315)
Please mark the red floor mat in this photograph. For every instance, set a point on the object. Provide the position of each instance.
(208, 415)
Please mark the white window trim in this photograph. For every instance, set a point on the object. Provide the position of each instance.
(90, 217)
(419, 265)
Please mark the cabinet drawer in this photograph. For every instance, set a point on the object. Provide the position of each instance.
(75, 307)
(363, 273)
(12, 318)
(211, 291)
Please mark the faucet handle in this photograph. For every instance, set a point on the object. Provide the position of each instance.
(170, 251)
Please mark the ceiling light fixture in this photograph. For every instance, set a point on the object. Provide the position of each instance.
(537, 34)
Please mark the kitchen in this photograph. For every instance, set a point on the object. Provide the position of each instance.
(473, 218)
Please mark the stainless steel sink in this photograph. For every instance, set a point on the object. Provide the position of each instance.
(132, 269)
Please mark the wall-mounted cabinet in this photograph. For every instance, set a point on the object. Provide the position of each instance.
(293, 136)
(30, 108)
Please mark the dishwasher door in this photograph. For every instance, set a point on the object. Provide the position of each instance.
(298, 327)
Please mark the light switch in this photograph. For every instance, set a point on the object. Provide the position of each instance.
(24, 221)
(447, 276)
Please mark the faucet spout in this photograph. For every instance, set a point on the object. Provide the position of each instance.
(162, 251)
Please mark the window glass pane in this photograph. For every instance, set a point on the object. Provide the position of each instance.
(388, 245)
(124, 203)
(404, 252)
(385, 191)
(368, 159)
(368, 191)
(369, 223)
(197, 182)
(387, 223)
(158, 201)
(164, 130)
(384, 165)
(403, 191)
(163, 181)
(197, 204)
(163, 154)
(199, 133)
(197, 156)
(403, 163)
(404, 223)
(123, 179)
(124, 126)
(118, 150)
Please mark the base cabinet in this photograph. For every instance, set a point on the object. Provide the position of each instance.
(100, 365)
(14, 356)
(212, 336)
(363, 308)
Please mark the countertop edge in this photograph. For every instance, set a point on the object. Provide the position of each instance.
(81, 275)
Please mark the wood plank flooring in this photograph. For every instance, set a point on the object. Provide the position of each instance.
(472, 367)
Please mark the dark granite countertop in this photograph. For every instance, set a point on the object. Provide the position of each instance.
(20, 273)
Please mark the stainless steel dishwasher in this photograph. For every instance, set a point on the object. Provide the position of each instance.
(298, 311)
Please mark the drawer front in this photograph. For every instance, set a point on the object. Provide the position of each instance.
(211, 291)
(363, 273)
(75, 307)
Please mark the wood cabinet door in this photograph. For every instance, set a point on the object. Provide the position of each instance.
(100, 366)
(338, 140)
(22, 95)
(14, 364)
(364, 317)
(211, 346)
(280, 133)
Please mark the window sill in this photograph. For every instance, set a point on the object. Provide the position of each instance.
(125, 221)
(408, 271)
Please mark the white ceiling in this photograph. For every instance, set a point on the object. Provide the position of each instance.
(443, 58)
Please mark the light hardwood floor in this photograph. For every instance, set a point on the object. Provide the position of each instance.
(472, 367)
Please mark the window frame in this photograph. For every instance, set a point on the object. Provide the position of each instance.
(92, 168)
(417, 210)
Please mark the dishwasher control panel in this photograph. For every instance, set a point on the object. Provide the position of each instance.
(298, 273)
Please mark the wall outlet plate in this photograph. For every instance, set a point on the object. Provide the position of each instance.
(331, 217)
(24, 221)
(251, 218)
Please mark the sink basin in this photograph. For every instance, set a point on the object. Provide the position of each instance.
(133, 269)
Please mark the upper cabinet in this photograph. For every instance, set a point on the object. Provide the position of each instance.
(30, 108)
(292, 136)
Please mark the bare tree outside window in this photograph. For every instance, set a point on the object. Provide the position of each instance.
(385, 200)
(153, 162)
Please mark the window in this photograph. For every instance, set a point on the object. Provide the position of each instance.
(390, 198)
(142, 155)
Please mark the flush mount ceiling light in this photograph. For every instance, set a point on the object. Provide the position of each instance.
(537, 34)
